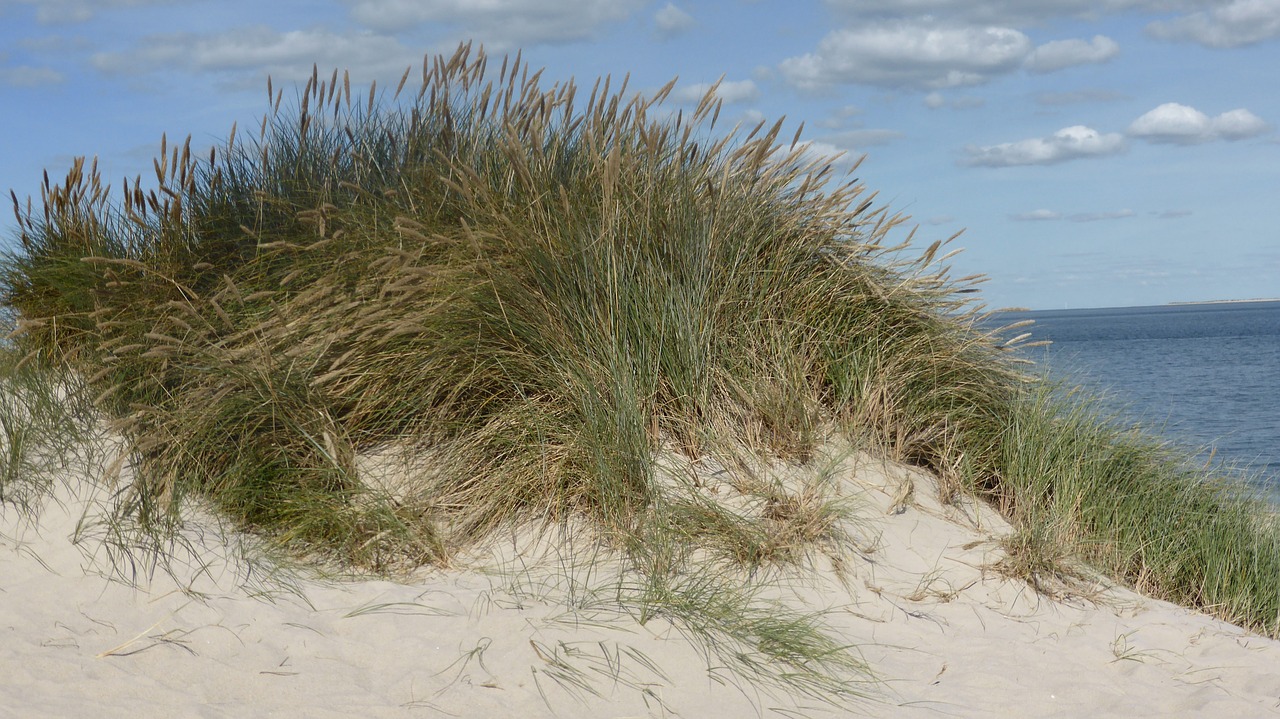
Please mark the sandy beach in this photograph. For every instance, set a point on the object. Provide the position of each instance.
(525, 628)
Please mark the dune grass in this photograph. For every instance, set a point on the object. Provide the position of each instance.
(45, 429)
(547, 296)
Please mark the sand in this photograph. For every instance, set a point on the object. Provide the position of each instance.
(509, 635)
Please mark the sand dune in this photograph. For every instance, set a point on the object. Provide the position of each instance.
(526, 629)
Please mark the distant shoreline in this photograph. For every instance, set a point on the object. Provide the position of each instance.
(1021, 309)
(1227, 302)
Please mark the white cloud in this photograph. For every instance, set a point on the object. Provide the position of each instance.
(729, 91)
(1183, 125)
(1036, 216)
(672, 21)
(1230, 24)
(1061, 54)
(1069, 143)
(1239, 124)
(261, 50)
(498, 24)
(911, 54)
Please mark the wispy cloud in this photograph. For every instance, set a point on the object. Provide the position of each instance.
(1184, 125)
(819, 151)
(498, 24)
(1043, 215)
(1061, 54)
(1074, 97)
(1070, 143)
(255, 51)
(1036, 216)
(843, 116)
(1100, 216)
(27, 76)
(854, 140)
(936, 100)
(672, 21)
(999, 11)
(65, 12)
(728, 91)
(842, 149)
(1231, 24)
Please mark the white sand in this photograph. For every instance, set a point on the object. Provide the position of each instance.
(947, 636)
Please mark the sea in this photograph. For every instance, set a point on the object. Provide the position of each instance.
(1206, 376)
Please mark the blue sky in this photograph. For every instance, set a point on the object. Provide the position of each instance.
(1112, 152)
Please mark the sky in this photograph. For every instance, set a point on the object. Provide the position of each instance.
(1094, 153)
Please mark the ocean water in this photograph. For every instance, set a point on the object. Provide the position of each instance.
(1207, 374)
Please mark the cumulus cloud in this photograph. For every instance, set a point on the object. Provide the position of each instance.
(1061, 54)
(1231, 24)
(1069, 143)
(284, 55)
(672, 21)
(728, 91)
(909, 53)
(499, 24)
(1183, 125)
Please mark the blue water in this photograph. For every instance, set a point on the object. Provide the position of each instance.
(1207, 374)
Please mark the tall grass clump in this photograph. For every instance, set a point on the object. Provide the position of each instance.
(541, 291)
(545, 293)
(1082, 484)
(46, 424)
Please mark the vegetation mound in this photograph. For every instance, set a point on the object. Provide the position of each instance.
(543, 297)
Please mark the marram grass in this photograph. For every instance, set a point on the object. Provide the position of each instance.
(546, 289)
